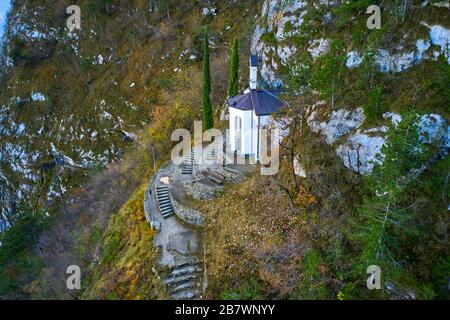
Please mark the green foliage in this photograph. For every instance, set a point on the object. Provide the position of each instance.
(328, 71)
(208, 120)
(96, 235)
(312, 285)
(390, 227)
(384, 218)
(99, 7)
(289, 27)
(349, 9)
(435, 87)
(374, 108)
(366, 71)
(85, 64)
(18, 263)
(250, 290)
(269, 38)
(233, 84)
(111, 249)
(125, 270)
(370, 86)
(440, 275)
(17, 52)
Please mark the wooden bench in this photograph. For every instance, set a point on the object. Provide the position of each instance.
(216, 177)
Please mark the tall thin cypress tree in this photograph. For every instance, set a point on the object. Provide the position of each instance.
(208, 120)
(233, 84)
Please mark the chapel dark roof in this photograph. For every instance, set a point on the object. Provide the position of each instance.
(264, 102)
(254, 61)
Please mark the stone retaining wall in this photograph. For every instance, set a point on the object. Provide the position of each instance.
(188, 215)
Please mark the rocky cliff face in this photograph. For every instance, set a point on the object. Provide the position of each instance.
(79, 96)
(357, 143)
(350, 91)
(72, 102)
(280, 21)
(69, 99)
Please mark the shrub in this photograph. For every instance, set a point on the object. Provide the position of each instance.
(250, 290)
(269, 38)
(100, 7)
(18, 264)
(374, 108)
(312, 285)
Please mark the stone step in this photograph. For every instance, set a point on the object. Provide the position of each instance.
(188, 264)
(166, 206)
(163, 198)
(167, 210)
(168, 215)
(163, 195)
(178, 280)
(164, 202)
(185, 296)
(186, 270)
(189, 286)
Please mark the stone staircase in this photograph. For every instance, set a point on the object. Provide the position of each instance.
(185, 281)
(187, 167)
(213, 151)
(211, 155)
(164, 203)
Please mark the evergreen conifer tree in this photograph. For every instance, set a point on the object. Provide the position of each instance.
(208, 120)
(233, 84)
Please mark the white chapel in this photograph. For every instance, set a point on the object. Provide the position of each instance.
(250, 113)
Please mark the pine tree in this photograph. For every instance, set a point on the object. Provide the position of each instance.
(384, 218)
(208, 120)
(233, 84)
(327, 76)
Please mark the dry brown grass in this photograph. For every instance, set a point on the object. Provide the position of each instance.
(252, 232)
